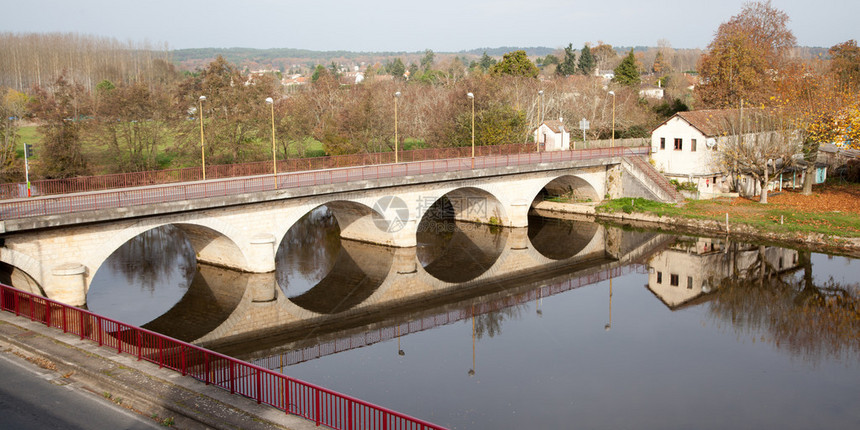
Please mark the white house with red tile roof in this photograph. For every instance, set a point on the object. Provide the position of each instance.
(685, 146)
(552, 135)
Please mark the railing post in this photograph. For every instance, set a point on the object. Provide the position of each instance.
(81, 327)
(99, 322)
(65, 327)
(119, 338)
(139, 345)
(259, 387)
(182, 358)
(286, 394)
(317, 406)
(158, 346)
(206, 367)
(349, 415)
(48, 313)
(232, 377)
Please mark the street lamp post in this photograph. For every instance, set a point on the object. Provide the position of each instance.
(396, 137)
(271, 103)
(472, 97)
(540, 118)
(202, 144)
(540, 106)
(612, 142)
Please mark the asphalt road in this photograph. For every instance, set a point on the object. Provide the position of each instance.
(34, 398)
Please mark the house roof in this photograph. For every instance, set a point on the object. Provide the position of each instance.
(845, 152)
(719, 122)
(554, 125)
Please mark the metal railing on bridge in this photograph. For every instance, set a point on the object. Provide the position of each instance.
(23, 208)
(320, 405)
(82, 184)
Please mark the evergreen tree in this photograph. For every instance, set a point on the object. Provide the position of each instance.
(486, 62)
(586, 61)
(515, 63)
(627, 73)
(567, 66)
(396, 68)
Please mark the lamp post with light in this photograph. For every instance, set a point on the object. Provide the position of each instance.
(540, 117)
(612, 142)
(271, 103)
(472, 97)
(396, 137)
(200, 101)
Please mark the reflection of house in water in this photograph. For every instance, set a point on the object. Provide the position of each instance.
(684, 274)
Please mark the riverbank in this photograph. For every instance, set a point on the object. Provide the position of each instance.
(827, 222)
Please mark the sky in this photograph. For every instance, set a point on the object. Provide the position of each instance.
(409, 25)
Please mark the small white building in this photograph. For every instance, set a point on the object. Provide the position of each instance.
(651, 91)
(553, 136)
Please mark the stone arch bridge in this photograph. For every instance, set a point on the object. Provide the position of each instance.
(58, 255)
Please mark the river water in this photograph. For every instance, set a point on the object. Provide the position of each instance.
(606, 329)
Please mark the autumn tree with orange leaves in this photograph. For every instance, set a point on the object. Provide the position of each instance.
(745, 58)
(821, 108)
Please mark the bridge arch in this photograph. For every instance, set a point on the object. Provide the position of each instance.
(573, 187)
(471, 204)
(29, 268)
(215, 242)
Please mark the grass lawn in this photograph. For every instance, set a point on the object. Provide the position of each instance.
(832, 209)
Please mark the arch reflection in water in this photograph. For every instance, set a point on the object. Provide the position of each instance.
(143, 277)
(559, 239)
(320, 272)
(213, 296)
(456, 251)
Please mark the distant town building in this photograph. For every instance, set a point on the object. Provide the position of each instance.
(651, 91)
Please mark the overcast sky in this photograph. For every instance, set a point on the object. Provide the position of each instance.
(410, 25)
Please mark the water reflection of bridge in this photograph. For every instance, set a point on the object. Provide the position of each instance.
(433, 318)
(374, 292)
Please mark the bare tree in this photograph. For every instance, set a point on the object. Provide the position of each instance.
(759, 145)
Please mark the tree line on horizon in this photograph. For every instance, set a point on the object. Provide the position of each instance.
(130, 109)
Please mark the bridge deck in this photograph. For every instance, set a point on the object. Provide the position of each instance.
(138, 196)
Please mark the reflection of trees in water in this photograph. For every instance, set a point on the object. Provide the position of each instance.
(490, 323)
(308, 250)
(808, 320)
(152, 256)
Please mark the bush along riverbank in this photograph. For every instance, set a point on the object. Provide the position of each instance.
(826, 221)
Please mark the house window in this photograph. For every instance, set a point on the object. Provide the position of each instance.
(678, 144)
(662, 143)
(659, 277)
(693, 145)
(689, 282)
(674, 280)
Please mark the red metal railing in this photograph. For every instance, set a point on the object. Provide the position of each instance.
(24, 208)
(159, 177)
(291, 395)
